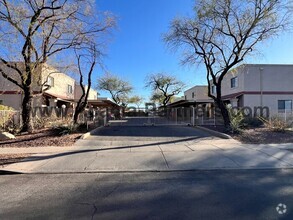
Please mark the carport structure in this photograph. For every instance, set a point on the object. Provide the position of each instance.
(182, 112)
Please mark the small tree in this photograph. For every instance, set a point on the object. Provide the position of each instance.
(164, 87)
(137, 100)
(222, 33)
(88, 57)
(118, 88)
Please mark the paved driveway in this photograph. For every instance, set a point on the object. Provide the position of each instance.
(155, 148)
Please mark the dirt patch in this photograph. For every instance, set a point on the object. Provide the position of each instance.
(43, 138)
(6, 159)
(264, 136)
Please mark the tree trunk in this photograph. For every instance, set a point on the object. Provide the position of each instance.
(225, 113)
(27, 122)
(79, 108)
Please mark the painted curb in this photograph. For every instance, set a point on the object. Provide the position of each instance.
(215, 133)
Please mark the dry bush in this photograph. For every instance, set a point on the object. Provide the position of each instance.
(275, 123)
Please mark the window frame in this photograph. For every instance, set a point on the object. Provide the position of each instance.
(69, 89)
(53, 80)
(234, 82)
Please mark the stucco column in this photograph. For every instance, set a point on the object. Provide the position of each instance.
(52, 102)
(234, 102)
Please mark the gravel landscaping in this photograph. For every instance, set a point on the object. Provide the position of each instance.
(258, 135)
(42, 138)
(264, 136)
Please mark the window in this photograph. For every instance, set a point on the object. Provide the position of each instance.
(214, 89)
(50, 81)
(1, 102)
(193, 95)
(234, 82)
(69, 89)
(285, 105)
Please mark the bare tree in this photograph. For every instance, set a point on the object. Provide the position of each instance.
(222, 33)
(32, 31)
(86, 62)
(164, 87)
(118, 88)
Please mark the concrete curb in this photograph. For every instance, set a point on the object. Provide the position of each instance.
(215, 133)
(214, 169)
(88, 134)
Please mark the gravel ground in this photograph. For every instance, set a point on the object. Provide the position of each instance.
(42, 138)
(264, 136)
(258, 135)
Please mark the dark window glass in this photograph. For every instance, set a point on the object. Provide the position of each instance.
(234, 82)
(285, 104)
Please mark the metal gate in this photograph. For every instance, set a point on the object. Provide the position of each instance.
(181, 116)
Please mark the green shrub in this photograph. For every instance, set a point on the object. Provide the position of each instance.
(236, 120)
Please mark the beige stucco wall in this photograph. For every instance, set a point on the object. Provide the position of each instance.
(270, 101)
(253, 77)
(6, 85)
(12, 100)
(78, 93)
(61, 82)
(273, 77)
(226, 83)
(60, 89)
(200, 93)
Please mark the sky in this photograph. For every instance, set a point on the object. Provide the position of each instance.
(136, 48)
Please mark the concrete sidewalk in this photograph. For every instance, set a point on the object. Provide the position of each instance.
(151, 148)
(36, 150)
(117, 154)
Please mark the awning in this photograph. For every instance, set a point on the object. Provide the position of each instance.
(58, 97)
(188, 103)
(103, 103)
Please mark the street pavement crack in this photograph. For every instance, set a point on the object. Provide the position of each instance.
(90, 204)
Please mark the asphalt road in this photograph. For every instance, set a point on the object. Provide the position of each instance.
(241, 194)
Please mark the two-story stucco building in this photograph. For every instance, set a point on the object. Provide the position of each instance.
(259, 85)
(197, 93)
(59, 88)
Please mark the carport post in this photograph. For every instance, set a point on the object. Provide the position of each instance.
(193, 116)
(176, 116)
